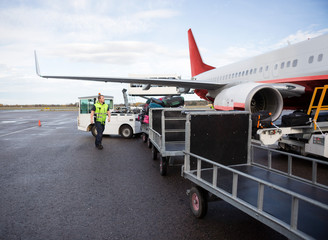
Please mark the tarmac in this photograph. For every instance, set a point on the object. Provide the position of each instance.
(54, 184)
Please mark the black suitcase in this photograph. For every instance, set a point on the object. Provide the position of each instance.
(296, 118)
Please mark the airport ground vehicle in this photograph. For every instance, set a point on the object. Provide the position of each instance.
(167, 134)
(219, 160)
(305, 139)
(123, 123)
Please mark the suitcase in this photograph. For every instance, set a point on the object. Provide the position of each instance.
(173, 101)
(261, 119)
(146, 119)
(155, 105)
(157, 101)
(296, 118)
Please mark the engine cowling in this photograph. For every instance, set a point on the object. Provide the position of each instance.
(252, 97)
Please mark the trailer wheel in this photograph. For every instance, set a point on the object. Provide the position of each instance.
(163, 166)
(126, 131)
(144, 137)
(94, 131)
(149, 143)
(198, 202)
(154, 153)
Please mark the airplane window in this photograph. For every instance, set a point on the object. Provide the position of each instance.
(294, 63)
(288, 64)
(266, 68)
(246, 72)
(229, 76)
(243, 73)
(282, 65)
(320, 57)
(239, 74)
(233, 75)
(261, 68)
(251, 71)
(311, 59)
(255, 70)
(275, 66)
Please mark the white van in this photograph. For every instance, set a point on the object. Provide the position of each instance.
(124, 124)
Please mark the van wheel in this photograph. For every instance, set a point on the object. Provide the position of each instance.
(94, 131)
(126, 131)
(198, 202)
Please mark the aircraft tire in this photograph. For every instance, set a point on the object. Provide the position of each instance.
(198, 202)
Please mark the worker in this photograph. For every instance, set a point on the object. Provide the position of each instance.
(100, 110)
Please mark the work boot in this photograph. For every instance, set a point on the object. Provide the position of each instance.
(100, 147)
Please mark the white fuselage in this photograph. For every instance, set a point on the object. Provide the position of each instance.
(288, 64)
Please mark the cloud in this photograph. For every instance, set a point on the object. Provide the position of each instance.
(299, 36)
(77, 21)
(154, 14)
(237, 53)
(114, 52)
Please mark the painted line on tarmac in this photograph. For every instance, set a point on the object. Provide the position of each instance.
(18, 131)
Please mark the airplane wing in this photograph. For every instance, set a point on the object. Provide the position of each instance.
(187, 83)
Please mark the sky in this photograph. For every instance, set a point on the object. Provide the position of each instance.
(115, 38)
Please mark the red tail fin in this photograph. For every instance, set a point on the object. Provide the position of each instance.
(196, 62)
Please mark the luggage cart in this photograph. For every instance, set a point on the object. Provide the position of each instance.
(167, 135)
(219, 160)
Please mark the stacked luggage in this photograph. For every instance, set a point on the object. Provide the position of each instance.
(170, 101)
(261, 119)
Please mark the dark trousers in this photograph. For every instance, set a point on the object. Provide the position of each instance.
(100, 129)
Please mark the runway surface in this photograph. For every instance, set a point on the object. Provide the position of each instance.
(54, 184)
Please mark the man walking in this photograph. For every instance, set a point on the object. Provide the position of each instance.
(100, 109)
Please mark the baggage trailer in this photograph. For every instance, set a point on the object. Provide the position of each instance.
(219, 160)
(167, 134)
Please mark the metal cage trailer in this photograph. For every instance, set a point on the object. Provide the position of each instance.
(219, 160)
(167, 135)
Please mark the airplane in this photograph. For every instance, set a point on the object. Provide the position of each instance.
(277, 80)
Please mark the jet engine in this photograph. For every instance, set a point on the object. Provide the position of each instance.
(252, 97)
